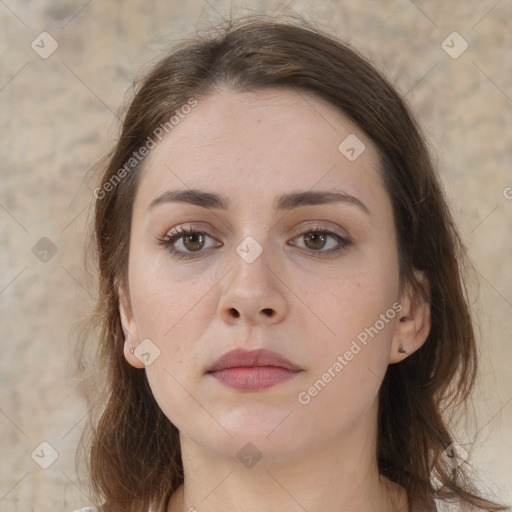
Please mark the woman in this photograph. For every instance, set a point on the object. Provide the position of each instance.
(282, 312)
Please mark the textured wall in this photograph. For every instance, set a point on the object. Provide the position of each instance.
(58, 118)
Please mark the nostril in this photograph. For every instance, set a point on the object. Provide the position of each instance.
(268, 311)
(236, 314)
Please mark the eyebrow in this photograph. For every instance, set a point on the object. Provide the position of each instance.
(283, 202)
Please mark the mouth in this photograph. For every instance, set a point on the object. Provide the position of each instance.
(253, 370)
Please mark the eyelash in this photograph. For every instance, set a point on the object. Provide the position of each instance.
(169, 240)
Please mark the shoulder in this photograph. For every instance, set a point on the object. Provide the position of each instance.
(434, 505)
(453, 506)
(93, 509)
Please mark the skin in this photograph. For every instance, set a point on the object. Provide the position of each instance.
(252, 147)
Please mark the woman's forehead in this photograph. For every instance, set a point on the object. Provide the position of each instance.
(265, 111)
(264, 140)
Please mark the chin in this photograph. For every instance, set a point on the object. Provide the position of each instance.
(254, 418)
(271, 430)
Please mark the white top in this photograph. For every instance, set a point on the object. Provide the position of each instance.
(439, 506)
(92, 509)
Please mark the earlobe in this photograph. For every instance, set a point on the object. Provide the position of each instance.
(129, 355)
(413, 327)
(130, 331)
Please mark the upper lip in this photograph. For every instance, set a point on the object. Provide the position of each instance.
(251, 358)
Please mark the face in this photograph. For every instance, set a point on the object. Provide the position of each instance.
(312, 277)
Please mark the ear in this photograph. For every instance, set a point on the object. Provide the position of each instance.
(131, 333)
(414, 323)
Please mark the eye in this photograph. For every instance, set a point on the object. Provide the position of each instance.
(316, 240)
(191, 240)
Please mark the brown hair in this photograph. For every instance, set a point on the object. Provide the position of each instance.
(135, 454)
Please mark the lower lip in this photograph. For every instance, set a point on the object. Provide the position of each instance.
(254, 378)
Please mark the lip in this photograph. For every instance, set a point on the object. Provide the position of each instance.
(252, 370)
(251, 358)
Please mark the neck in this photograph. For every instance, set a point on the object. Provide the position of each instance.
(340, 476)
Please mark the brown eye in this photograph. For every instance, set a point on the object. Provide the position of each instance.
(194, 241)
(185, 242)
(315, 240)
(319, 241)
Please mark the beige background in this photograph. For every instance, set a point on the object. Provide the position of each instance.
(58, 118)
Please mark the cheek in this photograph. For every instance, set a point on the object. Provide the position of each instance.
(173, 313)
(353, 298)
(347, 367)
(357, 323)
(166, 303)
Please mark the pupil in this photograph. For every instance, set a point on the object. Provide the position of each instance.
(315, 237)
(191, 238)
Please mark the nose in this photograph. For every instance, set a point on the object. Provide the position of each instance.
(253, 293)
